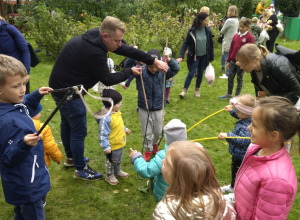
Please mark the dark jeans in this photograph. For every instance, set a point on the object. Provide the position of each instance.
(30, 211)
(235, 166)
(73, 129)
(235, 70)
(199, 64)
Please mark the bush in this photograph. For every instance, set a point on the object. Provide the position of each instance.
(288, 8)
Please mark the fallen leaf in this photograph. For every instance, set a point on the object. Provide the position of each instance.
(83, 201)
(143, 189)
(126, 190)
(116, 191)
(126, 205)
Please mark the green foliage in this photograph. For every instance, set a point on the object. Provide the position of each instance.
(245, 8)
(53, 31)
(288, 8)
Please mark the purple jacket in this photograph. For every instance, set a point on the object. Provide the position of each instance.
(266, 186)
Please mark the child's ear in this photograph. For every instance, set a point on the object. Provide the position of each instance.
(275, 136)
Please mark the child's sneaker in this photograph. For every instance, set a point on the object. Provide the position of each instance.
(147, 155)
(87, 173)
(227, 189)
(229, 197)
(155, 149)
(112, 180)
(69, 162)
(122, 174)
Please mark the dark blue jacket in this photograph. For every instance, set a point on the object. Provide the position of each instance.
(238, 147)
(154, 86)
(13, 43)
(190, 44)
(24, 174)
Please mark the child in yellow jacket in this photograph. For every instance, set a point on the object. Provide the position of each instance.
(51, 150)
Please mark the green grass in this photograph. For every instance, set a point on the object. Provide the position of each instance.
(71, 198)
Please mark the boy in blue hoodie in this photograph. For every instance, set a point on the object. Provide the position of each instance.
(24, 174)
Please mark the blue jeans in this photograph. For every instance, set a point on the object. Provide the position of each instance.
(30, 211)
(199, 64)
(73, 129)
(225, 60)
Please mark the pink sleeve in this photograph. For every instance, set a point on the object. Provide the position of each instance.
(275, 199)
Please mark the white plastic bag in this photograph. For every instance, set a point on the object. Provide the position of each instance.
(264, 36)
(210, 74)
(279, 26)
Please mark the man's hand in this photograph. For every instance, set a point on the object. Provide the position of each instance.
(45, 90)
(32, 139)
(137, 70)
(162, 66)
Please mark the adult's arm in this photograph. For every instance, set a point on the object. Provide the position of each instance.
(21, 45)
(226, 26)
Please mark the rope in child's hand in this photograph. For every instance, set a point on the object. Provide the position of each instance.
(210, 138)
(204, 119)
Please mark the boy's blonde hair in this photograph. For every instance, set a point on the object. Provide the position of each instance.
(204, 9)
(232, 11)
(254, 20)
(248, 53)
(111, 24)
(192, 175)
(10, 67)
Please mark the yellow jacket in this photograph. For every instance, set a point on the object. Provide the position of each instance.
(51, 149)
(259, 9)
(112, 132)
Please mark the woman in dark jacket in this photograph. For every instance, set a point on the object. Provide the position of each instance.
(272, 30)
(200, 51)
(13, 43)
(271, 74)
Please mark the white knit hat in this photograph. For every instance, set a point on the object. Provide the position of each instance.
(175, 130)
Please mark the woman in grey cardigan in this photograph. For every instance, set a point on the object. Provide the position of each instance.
(229, 29)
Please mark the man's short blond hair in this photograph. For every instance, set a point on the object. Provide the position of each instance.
(111, 24)
(10, 67)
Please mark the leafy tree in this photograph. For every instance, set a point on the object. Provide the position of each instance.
(288, 8)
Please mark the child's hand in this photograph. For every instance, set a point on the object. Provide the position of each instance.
(32, 139)
(58, 162)
(222, 136)
(227, 66)
(132, 152)
(45, 90)
(179, 60)
(107, 151)
(125, 87)
(128, 131)
(228, 108)
(95, 92)
(167, 55)
(136, 70)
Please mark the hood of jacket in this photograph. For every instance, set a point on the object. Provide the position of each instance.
(93, 36)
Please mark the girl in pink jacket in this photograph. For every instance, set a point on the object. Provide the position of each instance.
(266, 183)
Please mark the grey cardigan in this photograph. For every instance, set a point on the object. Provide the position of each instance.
(229, 29)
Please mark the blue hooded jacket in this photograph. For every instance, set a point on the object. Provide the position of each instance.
(13, 43)
(24, 174)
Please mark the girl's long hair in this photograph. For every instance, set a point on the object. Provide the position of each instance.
(192, 176)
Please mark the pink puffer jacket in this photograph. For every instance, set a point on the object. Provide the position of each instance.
(265, 187)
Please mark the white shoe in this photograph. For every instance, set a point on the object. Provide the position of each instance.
(227, 189)
(229, 197)
(223, 76)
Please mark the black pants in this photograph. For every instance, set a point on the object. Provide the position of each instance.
(235, 166)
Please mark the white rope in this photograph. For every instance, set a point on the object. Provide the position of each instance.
(95, 115)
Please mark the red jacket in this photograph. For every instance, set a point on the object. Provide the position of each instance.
(236, 43)
(266, 186)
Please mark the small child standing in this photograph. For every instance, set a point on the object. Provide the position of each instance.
(239, 39)
(24, 174)
(255, 30)
(194, 192)
(99, 86)
(51, 150)
(112, 137)
(266, 183)
(243, 107)
(151, 118)
(169, 82)
(175, 130)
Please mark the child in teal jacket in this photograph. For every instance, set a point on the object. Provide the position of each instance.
(175, 130)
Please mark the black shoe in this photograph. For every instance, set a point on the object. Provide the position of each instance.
(167, 101)
(222, 70)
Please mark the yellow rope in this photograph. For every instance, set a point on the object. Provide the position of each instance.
(204, 119)
(210, 138)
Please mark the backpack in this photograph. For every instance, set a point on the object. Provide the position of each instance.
(292, 55)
